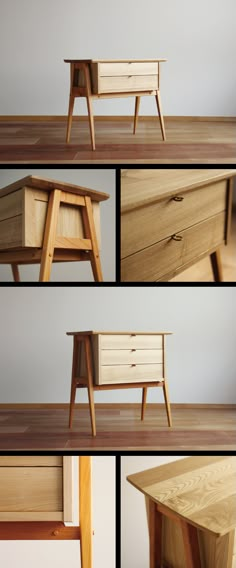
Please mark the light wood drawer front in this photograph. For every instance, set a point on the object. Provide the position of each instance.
(130, 374)
(11, 232)
(33, 461)
(11, 205)
(130, 341)
(31, 489)
(153, 263)
(128, 356)
(114, 69)
(234, 561)
(27, 229)
(143, 227)
(127, 83)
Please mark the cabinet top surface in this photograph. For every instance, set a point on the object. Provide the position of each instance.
(113, 60)
(119, 332)
(45, 184)
(200, 489)
(143, 187)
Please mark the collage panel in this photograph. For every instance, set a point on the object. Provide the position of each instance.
(55, 508)
(52, 219)
(178, 511)
(144, 369)
(176, 223)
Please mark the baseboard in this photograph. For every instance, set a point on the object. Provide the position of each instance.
(112, 405)
(63, 118)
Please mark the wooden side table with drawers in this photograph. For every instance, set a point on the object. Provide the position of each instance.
(45, 221)
(109, 78)
(37, 499)
(191, 512)
(170, 219)
(105, 360)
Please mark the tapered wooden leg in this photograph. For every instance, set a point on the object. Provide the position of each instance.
(73, 383)
(191, 546)
(89, 365)
(167, 402)
(49, 235)
(69, 120)
(154, 519)
(144, 399)
(90, 233)
(216, 266)
(15, 272)
(91, 121)
(158, 101)
(85, 514)
(137, 105)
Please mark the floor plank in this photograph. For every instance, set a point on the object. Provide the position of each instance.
(187, 142)
(119, 429)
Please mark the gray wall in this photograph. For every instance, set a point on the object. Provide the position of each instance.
(103, 180)
(35, 362)
(197, 38)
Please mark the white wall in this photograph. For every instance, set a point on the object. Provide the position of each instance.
(134, 532)
(25, 554)
(35, 362)
(103, 180)
(197, 38)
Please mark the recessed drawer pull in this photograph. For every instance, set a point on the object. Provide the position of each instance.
(133, 349)
(133, 334)
(178, 198)
(177, 237)
(133, 365)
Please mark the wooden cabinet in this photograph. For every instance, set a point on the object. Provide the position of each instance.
(191, 512)
(36, 489)
(45, 220)
(118, 360)
(171, 219)
(93, 79)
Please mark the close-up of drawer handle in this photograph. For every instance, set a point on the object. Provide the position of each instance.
(133, 365)
(177, 237)
(133, 349)
(178, 198)
(133, 334)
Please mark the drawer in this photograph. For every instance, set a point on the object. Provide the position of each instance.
(34, 489)
(23, 217)
(143, 227)
(130, 374)
(33, 461)
(131, 341)
(129, 356)
(132, 68)
(169, 256)
(128, 83)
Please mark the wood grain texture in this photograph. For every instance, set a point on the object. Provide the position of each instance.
(38, 531)
(67, 489)
(44, 184)
(32, 461)
(189, 141)
(119, 427)
(200, 492)
(143, 187)
(40, 491)
(145, 226)
(85, 511)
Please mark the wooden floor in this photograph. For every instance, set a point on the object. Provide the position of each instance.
(201, 271)
(119, 428)
(187, 142)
